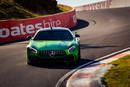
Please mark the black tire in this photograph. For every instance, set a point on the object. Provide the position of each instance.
(30, 62)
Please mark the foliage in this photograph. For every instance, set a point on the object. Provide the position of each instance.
(15, 9)
(119, 76)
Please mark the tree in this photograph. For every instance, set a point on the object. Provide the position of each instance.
(37, 6)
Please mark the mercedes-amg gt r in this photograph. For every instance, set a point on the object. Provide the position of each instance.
(53, 44)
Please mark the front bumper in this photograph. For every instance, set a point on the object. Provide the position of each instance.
(67, 58)
(60, 56)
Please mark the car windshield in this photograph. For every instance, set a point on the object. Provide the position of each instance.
(54, 35)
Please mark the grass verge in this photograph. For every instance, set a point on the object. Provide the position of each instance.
(119, 75)
(13, 11)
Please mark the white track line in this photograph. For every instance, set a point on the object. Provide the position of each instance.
(58, 84)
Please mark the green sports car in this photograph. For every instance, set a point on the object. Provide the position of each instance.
(56, 44)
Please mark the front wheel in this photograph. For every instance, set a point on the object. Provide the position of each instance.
(30, 61)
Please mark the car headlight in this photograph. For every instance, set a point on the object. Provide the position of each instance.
(72, 48)
(33, 50)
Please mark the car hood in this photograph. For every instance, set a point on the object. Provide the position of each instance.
(51, 45)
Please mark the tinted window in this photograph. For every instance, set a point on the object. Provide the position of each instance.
(54, 35)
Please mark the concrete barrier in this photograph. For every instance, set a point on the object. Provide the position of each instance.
(104, 5)
(11, 30)
(95, 6)
(120, 3)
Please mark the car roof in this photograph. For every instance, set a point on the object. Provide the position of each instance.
(54, 28)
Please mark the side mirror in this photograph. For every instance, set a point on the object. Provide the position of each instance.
(29, 37)
(77, 35)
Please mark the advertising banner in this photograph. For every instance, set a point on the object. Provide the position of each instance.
(95, 6)
(11, 30)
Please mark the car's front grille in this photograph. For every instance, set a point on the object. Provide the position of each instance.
(52, 53)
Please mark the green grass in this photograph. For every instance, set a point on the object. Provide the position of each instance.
(63, 9)
(9, 10)
(119, 75)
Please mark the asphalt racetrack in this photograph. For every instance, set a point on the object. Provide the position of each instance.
(108, 31)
